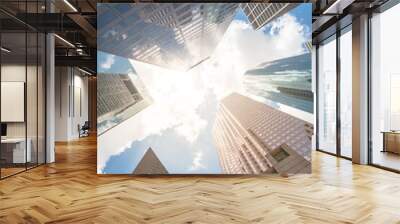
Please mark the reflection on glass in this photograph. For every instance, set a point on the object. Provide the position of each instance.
(346, 94)
(327, 96)
(386, 89)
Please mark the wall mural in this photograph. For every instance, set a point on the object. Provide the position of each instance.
(204, 88)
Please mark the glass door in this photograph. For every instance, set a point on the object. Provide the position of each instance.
(22, 77)
(13, 103)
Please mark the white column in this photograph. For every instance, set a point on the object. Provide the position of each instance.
(360, 90)
(50, 92)
(50, 99)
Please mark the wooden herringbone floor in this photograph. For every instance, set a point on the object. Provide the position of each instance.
(69, 191)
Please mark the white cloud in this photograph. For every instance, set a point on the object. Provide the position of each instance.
(190, 126)
(108, 62)
(242, 48)
(197, 161)
(176, 97)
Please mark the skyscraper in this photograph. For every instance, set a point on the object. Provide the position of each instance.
(150, 164)
(286, 81)
(260, 14)
(118, 97)
(171, 35)
(253, 138)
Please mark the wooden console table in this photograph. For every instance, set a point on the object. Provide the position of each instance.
(391, 141)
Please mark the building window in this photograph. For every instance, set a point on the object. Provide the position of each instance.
(346, 92)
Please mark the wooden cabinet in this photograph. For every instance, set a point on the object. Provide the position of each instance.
(391, 142)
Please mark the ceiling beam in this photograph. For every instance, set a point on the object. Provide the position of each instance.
(84, 24)
(49, 22)
(79, 61)
(338, 6)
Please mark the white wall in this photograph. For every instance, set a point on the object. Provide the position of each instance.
(33, 126)
(79, 112)
(17, 73)
(61, 103)
(12, 73)
(12, 101)
(70, 83)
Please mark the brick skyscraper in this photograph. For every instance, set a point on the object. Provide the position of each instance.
(150, 164)
(254, 138)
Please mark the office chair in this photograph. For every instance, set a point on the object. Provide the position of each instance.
(84, 130)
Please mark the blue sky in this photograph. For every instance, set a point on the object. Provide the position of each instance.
(175, 149)
(107, 63)
(172, 148)
(302, 13)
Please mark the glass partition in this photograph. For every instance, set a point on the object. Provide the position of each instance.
(23, 90)
(31, 98)
(327, 96)
(13, 94)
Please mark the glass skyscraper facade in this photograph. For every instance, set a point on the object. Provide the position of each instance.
(261, 14)
(177, 36)
(285, 81)
(119, 97)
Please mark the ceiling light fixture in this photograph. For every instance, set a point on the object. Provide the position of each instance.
(5, 50)
(79, 51)
(64, 40)
(70, 5)
(337, 7)
(84, 71)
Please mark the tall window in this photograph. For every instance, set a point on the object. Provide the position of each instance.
(327, 96)
(346, 92)
(385, 89)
